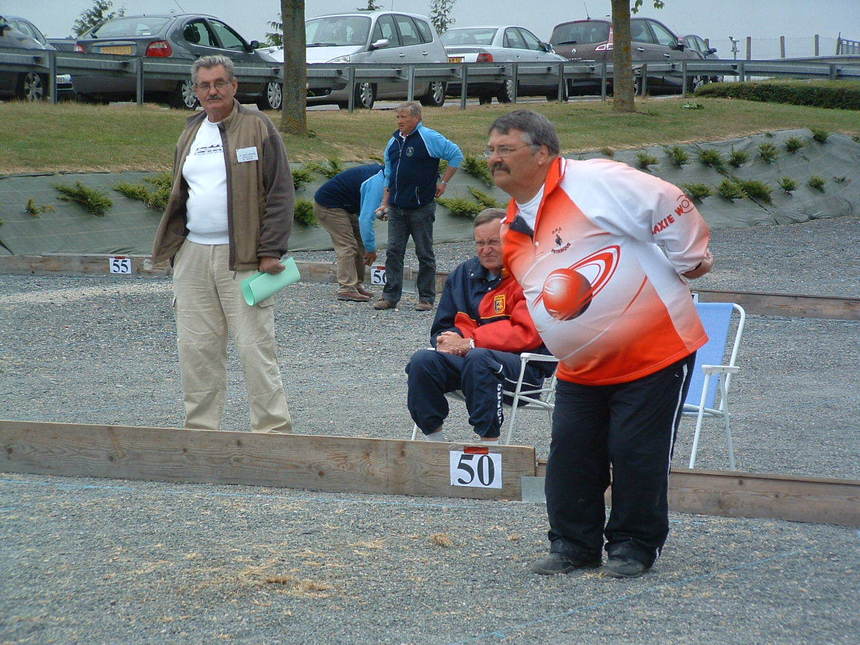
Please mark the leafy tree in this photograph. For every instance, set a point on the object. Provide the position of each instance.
(440, 14)
(99, 13)
(294, 112)
(622, 60)
(275, 38)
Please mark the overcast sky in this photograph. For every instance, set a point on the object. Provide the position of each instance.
(798, 20)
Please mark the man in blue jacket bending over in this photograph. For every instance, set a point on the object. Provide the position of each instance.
(408, 202)
(481, 327)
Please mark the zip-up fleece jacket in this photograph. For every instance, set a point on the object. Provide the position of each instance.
(356, 190)
(412, 165)
(492, 311)
(260, 190)
(601, 270)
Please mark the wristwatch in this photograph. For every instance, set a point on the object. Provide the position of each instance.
(471, 343)
(442, 181)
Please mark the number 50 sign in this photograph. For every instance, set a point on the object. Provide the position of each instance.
(476, 467)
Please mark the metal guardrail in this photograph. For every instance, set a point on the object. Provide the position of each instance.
(339, 76)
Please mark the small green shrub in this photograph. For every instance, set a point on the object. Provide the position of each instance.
(302, 176)
(844, 95)
(34, 210)
(697, 192)
(304, 213)
(328, 170)
(738, 158)
(840, 180)
(677, 156)
(787, 184)
(477, 167)
(643, 160)
(443, 166)
(729, 190)
(767, 152)
(156, 197)
(711, 158)
(793, 144)
(819, 135)
(461, 207)
(485, 200)
(607, 152)
(856, 138)
(757, 190)
(816, 183)
(92, 200)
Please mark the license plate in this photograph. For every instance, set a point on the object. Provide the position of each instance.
(119, 50)
(455, 59)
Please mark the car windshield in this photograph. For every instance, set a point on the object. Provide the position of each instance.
(580, 32)
(469, 36)
(125, 27)
(337, 31)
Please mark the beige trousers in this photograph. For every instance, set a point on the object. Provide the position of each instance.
(346, 238)
(209, 303)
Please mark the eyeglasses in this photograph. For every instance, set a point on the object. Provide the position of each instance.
(218, 85)
(503, 151)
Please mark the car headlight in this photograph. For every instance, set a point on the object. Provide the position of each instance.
(340, 59)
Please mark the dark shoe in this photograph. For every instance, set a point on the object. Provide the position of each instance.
(352, 295)
(384, 304)
(560, 563)
(618, 567)
(365, 292)
(424, 306)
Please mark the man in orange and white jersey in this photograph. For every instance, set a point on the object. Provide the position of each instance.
(603, 253)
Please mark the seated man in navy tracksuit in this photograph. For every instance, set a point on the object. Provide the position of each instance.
(481, 327)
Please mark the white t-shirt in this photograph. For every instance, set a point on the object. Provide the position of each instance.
(529, 210)
(205, 171)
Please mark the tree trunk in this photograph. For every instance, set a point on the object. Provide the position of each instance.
(622, 60)
(294, 111)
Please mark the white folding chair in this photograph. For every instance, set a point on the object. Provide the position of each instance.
(711, 374)
(539, 398)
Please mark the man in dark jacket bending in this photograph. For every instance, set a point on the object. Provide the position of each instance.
(481, 327)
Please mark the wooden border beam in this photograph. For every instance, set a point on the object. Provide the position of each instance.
(766, 304)
(336, 464)
(737, 494)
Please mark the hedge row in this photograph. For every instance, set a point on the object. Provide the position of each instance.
(845, 96)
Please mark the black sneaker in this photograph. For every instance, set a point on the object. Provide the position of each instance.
(618, 567)
(559, 563)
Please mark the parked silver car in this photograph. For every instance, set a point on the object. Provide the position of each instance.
(386, 38)
(184, 36)
(502, 44)
(20, 33)
(652, 41)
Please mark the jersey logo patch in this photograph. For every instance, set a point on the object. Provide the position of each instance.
(499, 303)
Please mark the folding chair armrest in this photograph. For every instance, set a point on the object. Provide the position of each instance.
(545, 358)
(716, 369)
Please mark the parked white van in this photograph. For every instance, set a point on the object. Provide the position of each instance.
(382, 37)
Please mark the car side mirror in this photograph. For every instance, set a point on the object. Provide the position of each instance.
(254, 44)
(547, 48)
(380, 44)
(678, 46)
(711, 50)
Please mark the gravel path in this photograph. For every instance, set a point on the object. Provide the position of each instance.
(102, 561)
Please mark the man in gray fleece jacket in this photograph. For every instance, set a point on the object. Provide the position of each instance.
(229, 214)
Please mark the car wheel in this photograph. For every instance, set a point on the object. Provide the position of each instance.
(31, 86)
(435, 96)
(695, 82)
(485, 99)
(184, 96)
(272, 97)
(552, 97)
(505, 93)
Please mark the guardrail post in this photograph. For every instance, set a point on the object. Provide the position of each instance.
(410, 93)
(562, 95)
(350, 83)
(683, 79)
(515, 78)
(644, 87)
(782, 46)
(603, 81)
(464, 85)
(742, 76)
(816, 44)
(138, 89)
(52, 76)
(834, 74)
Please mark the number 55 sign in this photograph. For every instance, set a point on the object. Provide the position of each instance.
(476, 467)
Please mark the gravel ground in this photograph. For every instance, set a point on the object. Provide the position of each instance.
(111, 562)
